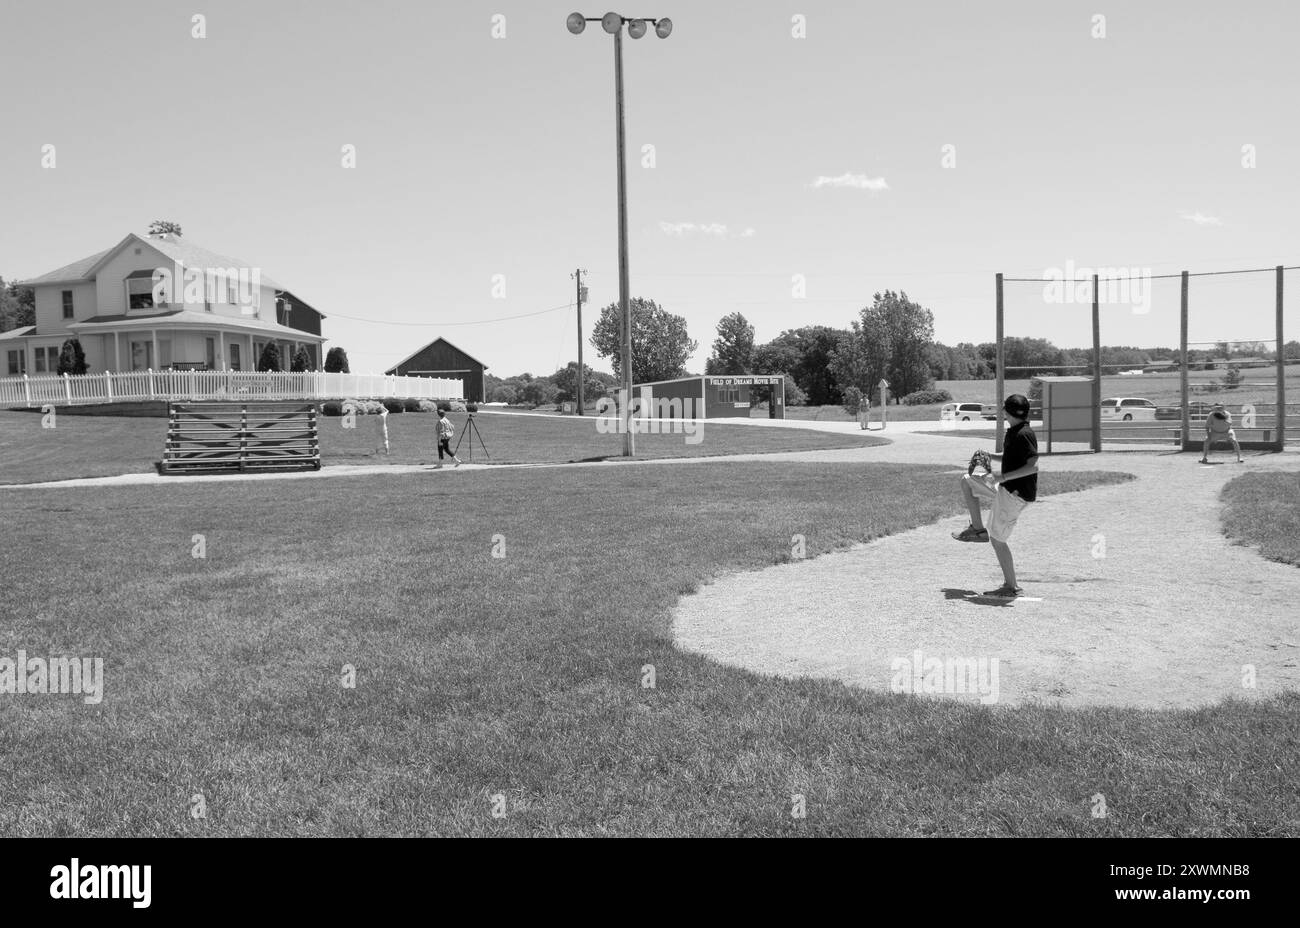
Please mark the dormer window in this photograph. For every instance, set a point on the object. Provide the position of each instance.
(139, 291)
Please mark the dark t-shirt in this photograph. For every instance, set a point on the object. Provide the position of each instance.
(1020, 445)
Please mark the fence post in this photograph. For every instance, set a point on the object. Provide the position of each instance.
(67, 387)
(1183, 388)
(1000, 387)
(149, 374)
(27, 390)
(1281, 369)
(108, 386)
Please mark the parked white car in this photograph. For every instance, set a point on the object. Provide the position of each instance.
(1127, 409)
(960, 412)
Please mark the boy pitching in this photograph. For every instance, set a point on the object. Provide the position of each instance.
(1008, 494)
(445, 431)
(1218, 427)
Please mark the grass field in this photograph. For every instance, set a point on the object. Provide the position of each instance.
(522, 676)
(1263, 510)
(84, 446)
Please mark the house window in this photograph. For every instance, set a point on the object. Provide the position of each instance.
(234, 357)
(211, 345)
(164, 353)
(40, 367)
(139, 292)
(141, 356)
(17, 362)
(67, 304)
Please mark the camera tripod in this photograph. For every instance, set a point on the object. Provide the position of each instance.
(472, 431)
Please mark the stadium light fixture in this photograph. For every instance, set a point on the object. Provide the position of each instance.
(613, 24)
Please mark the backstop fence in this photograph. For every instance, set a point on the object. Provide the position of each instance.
(1205, 338)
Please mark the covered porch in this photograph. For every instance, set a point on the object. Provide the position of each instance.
(178, 341)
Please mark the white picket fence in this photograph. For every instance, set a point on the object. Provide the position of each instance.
(143, 386)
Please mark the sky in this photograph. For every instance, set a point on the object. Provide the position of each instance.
(788, 138)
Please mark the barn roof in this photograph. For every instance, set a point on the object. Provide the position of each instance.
(430, 345)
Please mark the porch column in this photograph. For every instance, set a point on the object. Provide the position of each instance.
(153, 334)
(221, 351)
(117, 354)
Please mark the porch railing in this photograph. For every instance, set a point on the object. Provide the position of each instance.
(144, 386)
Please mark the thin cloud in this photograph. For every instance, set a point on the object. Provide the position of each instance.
(856, 181)
(1200, 218)
(710, 230)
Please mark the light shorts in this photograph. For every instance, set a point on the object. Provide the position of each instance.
(1007, 507)
(1230, 435)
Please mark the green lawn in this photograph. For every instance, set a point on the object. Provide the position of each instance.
(1263, 510)
(521, 676)
(90, 446)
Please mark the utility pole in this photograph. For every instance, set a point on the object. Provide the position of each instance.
(582, 296)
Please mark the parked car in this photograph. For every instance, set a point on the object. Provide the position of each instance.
(990, 411)
(1196, 411)
(1127, 409)
(960, 412)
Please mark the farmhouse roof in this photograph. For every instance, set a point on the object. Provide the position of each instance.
(183, 252)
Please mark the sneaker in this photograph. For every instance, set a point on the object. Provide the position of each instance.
(1005, 592)
(971, 533)
(459, 462)
(1203, 461)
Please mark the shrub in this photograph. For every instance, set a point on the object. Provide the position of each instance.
(428, 406)
(336, 361)
(393, 405)
(270, 359)
(853, 400)
(411, 405)
(926, 397)
(332, 408)
(456, 406)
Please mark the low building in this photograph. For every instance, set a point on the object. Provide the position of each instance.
(708, 396)
(440, 358)
(159, 302)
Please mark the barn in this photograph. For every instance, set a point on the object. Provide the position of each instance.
(440, 358)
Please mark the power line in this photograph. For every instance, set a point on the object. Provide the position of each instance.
(553, 309)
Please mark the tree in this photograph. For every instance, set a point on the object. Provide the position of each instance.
(860, 360)
(72, 360)
(805, 355)
(301, 360)
(1291, 350)
(660, 344)
(733, 349)
(17, 306)
(889, 341)
(164, 227)
(566, 384)
(336, 362)
(504, 393)
(538, 393)
(270, 359)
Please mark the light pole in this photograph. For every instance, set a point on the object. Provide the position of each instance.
(613, 23)
(582, 298)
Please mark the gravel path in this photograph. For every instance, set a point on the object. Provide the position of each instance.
(1167, 614)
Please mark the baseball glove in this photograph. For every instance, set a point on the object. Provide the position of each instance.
(980, 459)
